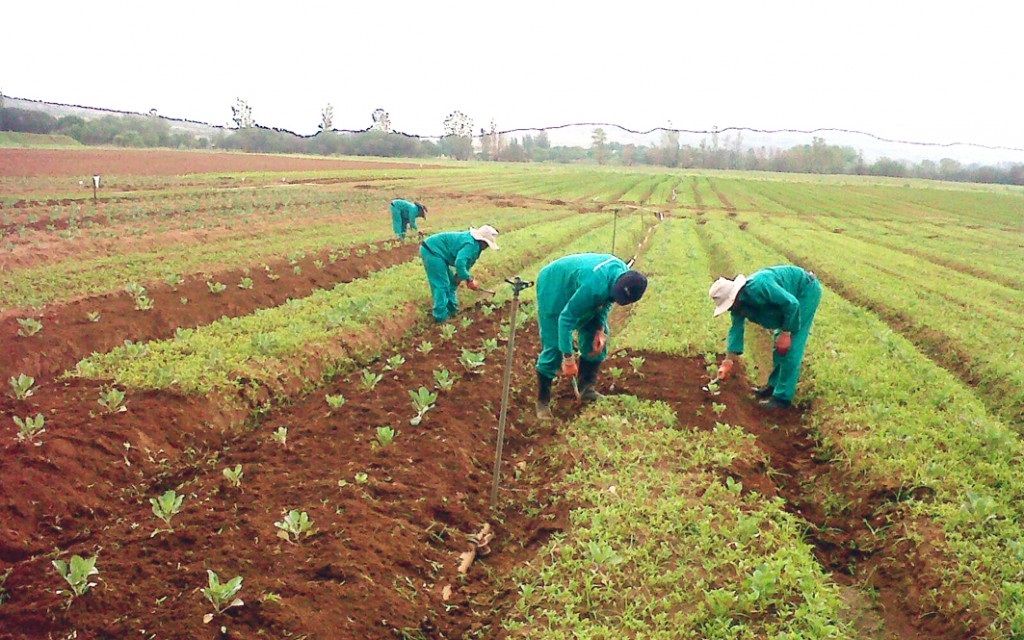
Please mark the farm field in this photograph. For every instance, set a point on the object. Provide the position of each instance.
(212, 368)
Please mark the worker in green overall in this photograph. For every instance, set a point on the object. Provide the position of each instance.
(447, 259)
(574, 295)
(403, 216)
(782, 298)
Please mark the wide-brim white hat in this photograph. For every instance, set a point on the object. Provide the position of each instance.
(487, 233)
(724, 291)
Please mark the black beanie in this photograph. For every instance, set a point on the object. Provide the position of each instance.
(629, 287)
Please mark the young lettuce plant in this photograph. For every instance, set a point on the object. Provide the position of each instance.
(30, 428)
(234, 476)
(386, 435)
(637, 363)
(280, 436)
(112, 400)
(471, 361)
(425, 347)
(295, 525)
(29, 327)
(22, 386)
(166, 507)
(423, 400)
(445, 380)
(370, 379)
(77, 573)
(335, 402)
(395, 361)
(448, 331)
(216, 287)
(222, 595)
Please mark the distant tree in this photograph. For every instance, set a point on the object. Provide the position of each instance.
(327, 118)
(629, 154)
(241, 114)
(381, 120)
(2, 111)
(458, 136)
(598, 144)
(490, 143)
(28, 121)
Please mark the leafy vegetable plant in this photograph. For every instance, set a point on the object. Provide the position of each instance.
(471, 361)
(234, 475)
(30, 428)
(295, 525)
(167, 506)
(77, 573)
(222, 595)
(423, 400)
(335, 402)
(445, 380)
(112, 400)
(22, 386)
(370, 379)
(29, 327)
(386, 435)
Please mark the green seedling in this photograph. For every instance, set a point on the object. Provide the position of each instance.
(22, 386)
(425, 347)
(319, 264)
(637, 363)
(280, 436)
(335, 402)
(423, 401)
(385, 436)
(332, 258)
(362, 477)
(297, 270)
(112, 400)
(183, 300)
(370, 379)
(490, 344)
(29, 327)
(167, 506)
(448, 331)
(234, 476)
(143, 303)
(77, 573)
(174, 280)
(216, 287)
(471, 361)
(394, 362)
(445, 380)
(487, 309)
(135, 290)
(30, 428)
(718, 408)
(246, 283)
(465, 322)
(222, 595)
(295, 525)
(93, 316)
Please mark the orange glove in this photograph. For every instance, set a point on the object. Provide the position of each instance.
(473, 284)
(783, 343)
(725, 369)
(600, 340)
(570, 367)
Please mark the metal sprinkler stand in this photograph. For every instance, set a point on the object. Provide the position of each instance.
(518, 284)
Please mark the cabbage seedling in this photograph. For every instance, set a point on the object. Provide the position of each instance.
(445, 380)
(93, 316)
(490, 344)
(386, 435)
(167, 506)
(295, 524)
(636, 363)
(29, 327)
(425, 347)
(29, 428)
(76, 573)
(22, 386)
(143, 303)
(112, 400)
(222, 595)
(395, 361)
(234, 476)
(216, 287)
(246, 283)
(281, 436)
(423, 401)
(448, 331)
(466, 322)
(370, 379)
(471, 361)
(335, 402)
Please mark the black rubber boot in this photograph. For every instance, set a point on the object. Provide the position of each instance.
(587, 381)
(766, 391)
(543, 397)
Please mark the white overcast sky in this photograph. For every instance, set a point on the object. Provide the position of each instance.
(933, 71)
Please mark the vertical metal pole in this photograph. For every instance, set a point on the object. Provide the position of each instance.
(615, 223)
(517, 286)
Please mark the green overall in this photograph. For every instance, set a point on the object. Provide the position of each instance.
(403, 217)
(782, 298)
(574, 294)
(441, 253)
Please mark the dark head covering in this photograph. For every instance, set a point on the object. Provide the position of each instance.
(423, 209)
(629, 287)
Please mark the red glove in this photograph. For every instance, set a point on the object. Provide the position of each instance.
(600, 340)
(725, 369)
(783, 343)
(473, 284)
(570, 367)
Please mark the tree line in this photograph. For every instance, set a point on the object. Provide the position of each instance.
(462, 141)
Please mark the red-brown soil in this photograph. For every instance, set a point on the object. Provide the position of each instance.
(26, 163)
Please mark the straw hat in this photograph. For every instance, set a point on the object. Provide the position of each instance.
(487, 233)
(724, 291)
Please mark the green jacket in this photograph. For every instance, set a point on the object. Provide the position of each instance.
(458, 249)
(770, 298)
(403, 212)
(578, 289)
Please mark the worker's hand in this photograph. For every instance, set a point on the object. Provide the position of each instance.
(725, 369)
(569, 366)
(600, 340)
(420, 234)
(783, 343)
(473, 284)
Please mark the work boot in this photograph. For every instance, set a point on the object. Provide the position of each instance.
(543, 397)
(774, 403)
(764, 392)
(588, 380)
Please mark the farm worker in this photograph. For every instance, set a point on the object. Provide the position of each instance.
(782, 298)
(447, 259)
(574, 295)
(403, 216)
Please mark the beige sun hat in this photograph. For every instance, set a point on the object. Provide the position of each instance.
(487, 233)
(724, 291)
